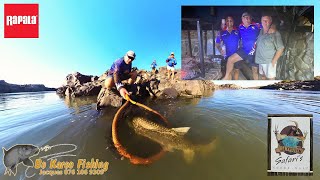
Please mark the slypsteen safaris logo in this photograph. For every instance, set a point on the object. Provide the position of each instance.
(290, 139)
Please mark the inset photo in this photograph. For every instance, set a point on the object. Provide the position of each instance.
(247, 42)
(290, 145)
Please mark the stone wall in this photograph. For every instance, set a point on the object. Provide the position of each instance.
(297, 62)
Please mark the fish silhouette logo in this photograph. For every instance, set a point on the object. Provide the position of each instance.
(20, 153)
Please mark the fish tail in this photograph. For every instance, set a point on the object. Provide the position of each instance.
(188, 155)
(4, 150)
(207, 148)
(6, 171)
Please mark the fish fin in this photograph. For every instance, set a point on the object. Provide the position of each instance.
(27, 162)
(207, 148)
(6, 171)
(168, 148)
(181, 130)
(188, 155)
(4, 151)
(13, 170)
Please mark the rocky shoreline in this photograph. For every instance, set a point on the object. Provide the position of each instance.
(312, 85)
(14, 88)
(227, 86)
(147, 85)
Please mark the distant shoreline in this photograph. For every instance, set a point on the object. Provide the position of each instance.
(311, 85)
(15, 88)
(23, 92)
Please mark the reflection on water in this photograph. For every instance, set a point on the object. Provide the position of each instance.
(237, 117)
(76, 103)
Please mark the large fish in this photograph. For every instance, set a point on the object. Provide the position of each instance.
(170, 138)
(18, 154)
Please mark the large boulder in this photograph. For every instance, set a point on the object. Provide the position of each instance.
(193, 87)
(87, 89)
(108, 98)
(77, 79)
(78, 84)
(61, 90)
(169, 93)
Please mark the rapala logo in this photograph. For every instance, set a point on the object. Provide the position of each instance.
(21, 20)
(11, 20)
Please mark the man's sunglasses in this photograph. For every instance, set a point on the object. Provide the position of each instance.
(132, 58)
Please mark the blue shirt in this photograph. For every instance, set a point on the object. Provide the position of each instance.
(153, 65)
(118, 69)
(171, 62)
(231, 41)
(249, 36)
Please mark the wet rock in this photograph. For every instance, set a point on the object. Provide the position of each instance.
(61, 90)
(69, 92)
(169, 93)
(87, 89)
(108, 98)
(190, 87)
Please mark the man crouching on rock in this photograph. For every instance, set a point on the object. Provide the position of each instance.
(121, 70)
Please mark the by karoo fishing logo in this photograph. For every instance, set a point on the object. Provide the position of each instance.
(48, 162)
(21, 20)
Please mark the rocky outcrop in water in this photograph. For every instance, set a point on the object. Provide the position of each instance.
(313, 85)
(77, 84)
(147, 84)
(227, 86)
(12, 88)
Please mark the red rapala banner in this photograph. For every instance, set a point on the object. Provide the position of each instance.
(21, 20)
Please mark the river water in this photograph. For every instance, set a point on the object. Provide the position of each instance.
(236, 118)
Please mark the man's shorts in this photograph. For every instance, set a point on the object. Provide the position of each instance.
(248, 58)
(170, 68)
(236, 65)
(268, 70)
(122, 76)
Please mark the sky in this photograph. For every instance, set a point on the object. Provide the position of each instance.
(87, 36)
